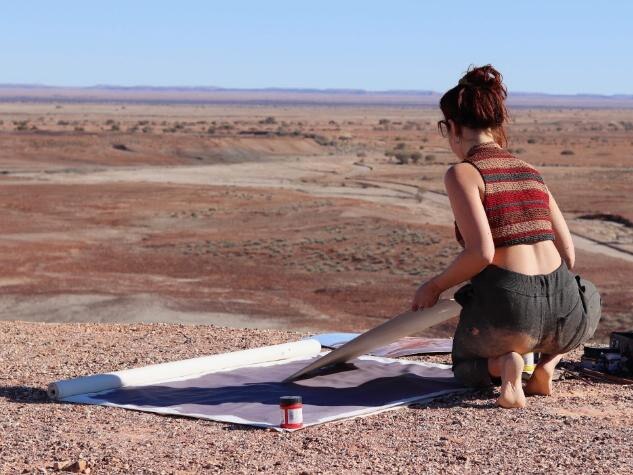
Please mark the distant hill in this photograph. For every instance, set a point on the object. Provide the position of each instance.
(283, 96)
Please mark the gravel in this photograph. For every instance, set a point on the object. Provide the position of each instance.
(585, 426)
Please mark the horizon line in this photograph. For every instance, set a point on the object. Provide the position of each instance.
(291, 89)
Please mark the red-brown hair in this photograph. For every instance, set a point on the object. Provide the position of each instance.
(478, 102)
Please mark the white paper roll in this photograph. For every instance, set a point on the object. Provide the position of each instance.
(164, 371)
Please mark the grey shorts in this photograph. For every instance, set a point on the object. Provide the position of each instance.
(548, 313)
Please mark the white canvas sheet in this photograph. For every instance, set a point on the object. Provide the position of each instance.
(249, 393)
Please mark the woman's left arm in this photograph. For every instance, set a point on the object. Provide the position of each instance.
(463, 192)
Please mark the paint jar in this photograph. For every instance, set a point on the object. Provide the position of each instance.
(528, 363)
(291, 412)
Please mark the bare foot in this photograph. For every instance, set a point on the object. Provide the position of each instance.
(511, 396)
(540, 383)
(511, 366)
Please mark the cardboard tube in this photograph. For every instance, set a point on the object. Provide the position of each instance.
(175, 369)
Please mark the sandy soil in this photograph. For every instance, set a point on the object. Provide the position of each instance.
(582, 428)
(275, 219)
(140, 213)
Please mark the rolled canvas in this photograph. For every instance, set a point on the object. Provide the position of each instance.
(148, 375)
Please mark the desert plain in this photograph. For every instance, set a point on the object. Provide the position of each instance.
(136, 233)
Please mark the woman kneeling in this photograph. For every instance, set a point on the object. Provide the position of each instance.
(517, 253)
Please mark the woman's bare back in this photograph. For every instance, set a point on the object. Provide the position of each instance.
(532, 259)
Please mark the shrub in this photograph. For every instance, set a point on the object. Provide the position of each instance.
(415, 157)
(21, 125)
(531, 140)
(321, 140)
(567, 152)
(614, 218)
(268, 120)
(402, 158)
(429, 158)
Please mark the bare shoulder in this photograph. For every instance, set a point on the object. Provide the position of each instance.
(462, 173)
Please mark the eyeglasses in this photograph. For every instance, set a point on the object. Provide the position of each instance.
(443, 126)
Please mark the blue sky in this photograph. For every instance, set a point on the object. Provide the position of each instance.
(545, 46)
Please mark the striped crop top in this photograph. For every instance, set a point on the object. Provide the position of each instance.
(516, 200)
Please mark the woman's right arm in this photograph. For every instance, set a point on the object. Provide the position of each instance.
(563, 241)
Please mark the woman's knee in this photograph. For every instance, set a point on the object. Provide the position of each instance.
(473, 373)
(574, 317)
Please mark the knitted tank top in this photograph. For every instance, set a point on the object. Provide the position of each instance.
(515, 200)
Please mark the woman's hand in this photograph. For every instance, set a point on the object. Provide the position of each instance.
(426, 296)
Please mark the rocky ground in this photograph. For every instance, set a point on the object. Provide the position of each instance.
(584, 427)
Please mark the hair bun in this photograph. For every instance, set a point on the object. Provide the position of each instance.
(486, 77)
(478, 102)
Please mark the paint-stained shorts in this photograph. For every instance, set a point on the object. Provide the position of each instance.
(551, 313)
